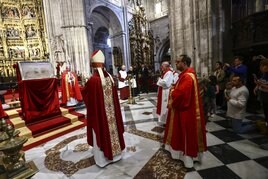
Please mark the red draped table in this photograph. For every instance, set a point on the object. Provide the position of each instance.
(39, 99)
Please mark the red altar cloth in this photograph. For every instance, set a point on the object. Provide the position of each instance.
(39, 99)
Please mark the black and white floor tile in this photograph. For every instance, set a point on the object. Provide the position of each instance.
(229, 155)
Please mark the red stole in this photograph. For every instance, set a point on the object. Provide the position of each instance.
(159, 95)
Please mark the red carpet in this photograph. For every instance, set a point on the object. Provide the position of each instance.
(80, 116)
(47, 129)
(48, 125)
(39, 142)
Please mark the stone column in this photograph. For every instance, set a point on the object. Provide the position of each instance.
(221, 30)
(210, 35)
(195, 30)
(127, 58)
(183, 29)
(176, 29)
(52, 11)
(259, 5)
(66, 19)
(90, 38)
(75, 32)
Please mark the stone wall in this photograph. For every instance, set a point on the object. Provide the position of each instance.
(150, 9)
(160, 29)
(197, 29)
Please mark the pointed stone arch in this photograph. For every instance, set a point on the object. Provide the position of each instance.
(163, 51)
(105, 23)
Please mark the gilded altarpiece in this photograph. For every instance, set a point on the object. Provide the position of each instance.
(22, 34)
(141, 39)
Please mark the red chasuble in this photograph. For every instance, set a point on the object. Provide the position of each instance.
(159, 95)
(99, 120)
(69, 91)
(185, 128)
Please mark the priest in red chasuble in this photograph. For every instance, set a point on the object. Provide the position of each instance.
(164, 83)
(71, 93)
(104, 119)
(185, 134)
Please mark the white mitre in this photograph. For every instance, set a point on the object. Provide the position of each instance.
(97, 57)
(97, 61)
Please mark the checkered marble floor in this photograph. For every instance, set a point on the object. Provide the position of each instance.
(229, 155)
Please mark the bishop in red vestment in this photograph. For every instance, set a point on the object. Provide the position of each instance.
(185, 134)
(71, 93)
(104, 119)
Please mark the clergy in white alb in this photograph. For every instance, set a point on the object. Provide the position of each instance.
(164, 83)
(123, 83)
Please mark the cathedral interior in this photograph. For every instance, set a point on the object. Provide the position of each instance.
(65, 33)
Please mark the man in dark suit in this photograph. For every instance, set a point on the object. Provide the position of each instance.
(144, 78)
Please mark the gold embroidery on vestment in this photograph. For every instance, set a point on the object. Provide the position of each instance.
(67, 88)
(201, 146)
(110, 113)
(172, 111)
